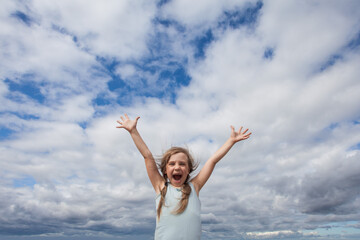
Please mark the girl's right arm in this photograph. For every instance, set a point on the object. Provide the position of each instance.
(130, 125)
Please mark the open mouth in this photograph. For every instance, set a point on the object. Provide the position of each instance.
(177, 177)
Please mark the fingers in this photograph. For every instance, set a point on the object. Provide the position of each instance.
(244, 132)
(125, 120)
(240, 130)
(240, 133)
(247, 136)
(121, 126)
(126, 117)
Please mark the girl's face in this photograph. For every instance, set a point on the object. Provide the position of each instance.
(177, 169)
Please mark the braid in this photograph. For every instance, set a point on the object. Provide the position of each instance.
(162, 199)
(186, 190)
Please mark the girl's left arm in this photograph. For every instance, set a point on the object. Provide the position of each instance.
(236, 136)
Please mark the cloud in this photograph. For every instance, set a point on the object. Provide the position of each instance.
(280, 234)
(287, 71)
(326, 193)
(202, 13)
(120, 32)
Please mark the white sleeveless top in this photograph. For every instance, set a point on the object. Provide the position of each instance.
(184, 226)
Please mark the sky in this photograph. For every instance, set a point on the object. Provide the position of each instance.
(287, 70)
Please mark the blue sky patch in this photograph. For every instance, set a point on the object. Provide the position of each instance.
(330, 62)
(169, 23)
(7, 130)
(269, 53)
(83, 125)
(163, 2)
(333, 126)
(181, 77)
(354, 43)
(27, 181)
(22, 17)
(26, 87)
(237, 18)
(170, 79)
(102, 100)
(5, 133)
(202, 43)
(355, 147)
(22, 115)
(116, 83)
(60, 29)
(109, 64)
(326, 132)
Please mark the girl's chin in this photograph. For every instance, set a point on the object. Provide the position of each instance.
(177, 183)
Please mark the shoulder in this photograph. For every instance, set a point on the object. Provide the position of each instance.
(160, 187)
(195, 187)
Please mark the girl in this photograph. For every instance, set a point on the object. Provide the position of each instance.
(177, 201)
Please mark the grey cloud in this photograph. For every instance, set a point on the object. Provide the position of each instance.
(26, 215)
(332, 189)
(209, 219)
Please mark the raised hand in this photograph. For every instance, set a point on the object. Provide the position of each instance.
(127, 123)
(237, 136)
(130, 125)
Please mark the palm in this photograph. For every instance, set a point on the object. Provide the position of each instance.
(127, 123)
(239, 135)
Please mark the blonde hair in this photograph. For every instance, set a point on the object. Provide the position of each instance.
(186, 189)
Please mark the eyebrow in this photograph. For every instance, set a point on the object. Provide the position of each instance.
(174, 161)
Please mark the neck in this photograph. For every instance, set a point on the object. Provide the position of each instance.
(177, 186)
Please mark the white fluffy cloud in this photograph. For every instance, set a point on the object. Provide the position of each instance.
(110, 28)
